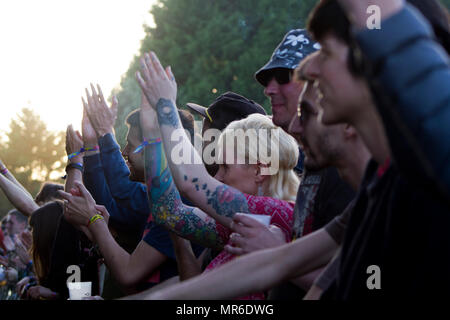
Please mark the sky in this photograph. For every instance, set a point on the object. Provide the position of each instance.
(50, 50)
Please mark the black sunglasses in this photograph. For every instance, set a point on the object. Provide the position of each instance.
(281, 76)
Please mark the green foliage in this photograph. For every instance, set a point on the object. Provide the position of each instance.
(32, 153)
(211, 45)
(446, 3)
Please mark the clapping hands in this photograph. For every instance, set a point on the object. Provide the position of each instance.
(101, 116)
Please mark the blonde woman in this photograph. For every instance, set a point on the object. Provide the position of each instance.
(237, 186)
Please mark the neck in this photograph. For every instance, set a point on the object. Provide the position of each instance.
(370, 129)
(353, 164)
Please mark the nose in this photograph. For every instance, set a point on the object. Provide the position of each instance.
(272, 87)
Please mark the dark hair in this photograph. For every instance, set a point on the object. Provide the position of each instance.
(187, 121)
(329, 17)
(19, 215)
(44, 223)
(49, 192)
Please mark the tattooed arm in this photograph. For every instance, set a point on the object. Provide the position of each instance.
(166, 205)
(193, 181)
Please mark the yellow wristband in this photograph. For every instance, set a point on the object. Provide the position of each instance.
(95, 218)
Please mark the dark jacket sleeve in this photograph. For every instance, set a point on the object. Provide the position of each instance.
(94, 180)
(413, 71)
(128, 194)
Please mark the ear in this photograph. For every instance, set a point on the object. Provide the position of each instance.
(349, 131)
(260, 178)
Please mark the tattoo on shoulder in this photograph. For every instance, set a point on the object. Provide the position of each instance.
(227, 200)
(167, 113)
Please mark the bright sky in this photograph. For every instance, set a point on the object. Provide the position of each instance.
(52, 49)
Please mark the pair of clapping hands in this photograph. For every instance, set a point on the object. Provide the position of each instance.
(98, 120)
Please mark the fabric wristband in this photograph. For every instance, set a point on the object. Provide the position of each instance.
(4, 171)
(77, 165)
(95, 218)
(72, 155)
(146, 143)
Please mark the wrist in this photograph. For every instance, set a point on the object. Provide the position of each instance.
(90, 143)
(95, 220)
(3, 170)
(78, 159)
(103, 132)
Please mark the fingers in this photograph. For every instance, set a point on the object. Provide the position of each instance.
(102, 210)
(145, 69)
(100, 94)
(157, 66)
(79, 135)
(84, 192)
(238, 240)
(234, 250)
(65, 195)
(95, 96)
(246, 221)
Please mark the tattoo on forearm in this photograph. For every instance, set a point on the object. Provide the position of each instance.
(167, 113)
(166, 205)
(227, 201)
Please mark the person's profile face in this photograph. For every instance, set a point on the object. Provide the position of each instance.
(283, 97)
(341, 97)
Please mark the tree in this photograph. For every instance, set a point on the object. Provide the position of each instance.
(213, 47)
(32, 153)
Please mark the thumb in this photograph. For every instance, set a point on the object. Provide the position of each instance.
(102, 209)
(83, 191)
(79, 134)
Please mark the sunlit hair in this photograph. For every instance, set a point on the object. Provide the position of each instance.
(284, 183)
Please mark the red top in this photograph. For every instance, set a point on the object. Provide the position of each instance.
(282, 213)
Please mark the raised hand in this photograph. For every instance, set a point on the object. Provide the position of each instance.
(155, 82)
(87, 130)
(101, 116)
(74, 142)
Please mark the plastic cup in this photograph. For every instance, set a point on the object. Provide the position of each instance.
(264, 219)
(79, 290)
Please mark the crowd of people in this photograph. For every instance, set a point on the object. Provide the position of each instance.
(357, 184)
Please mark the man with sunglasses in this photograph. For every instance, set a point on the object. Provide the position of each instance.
(322, 194)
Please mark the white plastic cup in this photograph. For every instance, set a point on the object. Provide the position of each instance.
(79, 290)
(264, 219)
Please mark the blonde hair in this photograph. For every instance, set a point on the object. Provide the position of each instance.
(284, 183)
